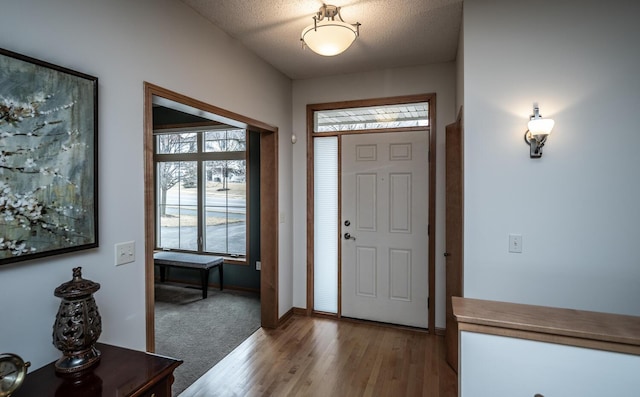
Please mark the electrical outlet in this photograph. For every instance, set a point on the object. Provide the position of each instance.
(258, 265)
(125, 252)
(515, 243)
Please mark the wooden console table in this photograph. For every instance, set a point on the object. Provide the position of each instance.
(190, 261)
(120, 373)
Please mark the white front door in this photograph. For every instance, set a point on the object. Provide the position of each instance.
(384, 227)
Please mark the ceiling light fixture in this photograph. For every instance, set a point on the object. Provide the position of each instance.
(329, 37)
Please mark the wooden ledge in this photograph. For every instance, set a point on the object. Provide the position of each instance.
(604, 331)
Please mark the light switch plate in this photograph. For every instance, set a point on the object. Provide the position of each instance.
(515, 243)
(125, 252)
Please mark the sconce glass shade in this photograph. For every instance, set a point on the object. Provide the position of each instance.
(540, 126)
(329, 37)
(537, 133)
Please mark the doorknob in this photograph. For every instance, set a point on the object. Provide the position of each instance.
(447, 254)
(347, 222)
(348, 236)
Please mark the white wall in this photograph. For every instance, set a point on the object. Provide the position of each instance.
(500, 366)
(439, 79)
(125, 43)
(460, 70)
(577, 206)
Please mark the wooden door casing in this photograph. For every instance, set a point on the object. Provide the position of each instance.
(454, 232)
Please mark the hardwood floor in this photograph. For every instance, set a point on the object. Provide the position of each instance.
(309, 356)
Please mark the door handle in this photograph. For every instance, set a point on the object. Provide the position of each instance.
(348, 236)
(447, 254)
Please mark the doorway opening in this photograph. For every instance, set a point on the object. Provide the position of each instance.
(398, 126)
(267, 137)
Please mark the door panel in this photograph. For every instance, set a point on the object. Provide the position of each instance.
(400, 273)
(400, 205)
(385, 244)
(366, 188)
(366, 272)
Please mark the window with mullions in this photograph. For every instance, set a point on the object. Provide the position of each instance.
(201, 191)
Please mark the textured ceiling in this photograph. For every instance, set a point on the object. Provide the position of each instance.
(394, 33)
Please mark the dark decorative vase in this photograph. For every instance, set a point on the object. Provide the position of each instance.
(78, 326)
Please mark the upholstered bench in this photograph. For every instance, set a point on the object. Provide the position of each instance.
(190, 261)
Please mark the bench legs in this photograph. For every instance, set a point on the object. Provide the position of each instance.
(204, 278)
(163, 272)
(221, 275)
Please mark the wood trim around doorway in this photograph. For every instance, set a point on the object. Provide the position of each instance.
(431, 128)
(268, 203)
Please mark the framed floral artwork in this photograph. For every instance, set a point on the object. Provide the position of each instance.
(48, 159)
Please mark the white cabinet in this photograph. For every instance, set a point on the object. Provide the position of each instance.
(499, 366)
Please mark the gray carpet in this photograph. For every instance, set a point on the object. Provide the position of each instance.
(201, 331)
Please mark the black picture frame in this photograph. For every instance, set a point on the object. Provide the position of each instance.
(48, 159)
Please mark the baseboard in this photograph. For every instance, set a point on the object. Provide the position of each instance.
(299, 311)
(285, 317)
(294, 311)
(439, 331)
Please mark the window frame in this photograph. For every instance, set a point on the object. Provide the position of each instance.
(200, 156)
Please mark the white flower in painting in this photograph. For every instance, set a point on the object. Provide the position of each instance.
(30, 163)
(40, 97)
(8, 216)
(17, 249)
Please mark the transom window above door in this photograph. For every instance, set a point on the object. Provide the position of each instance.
(372, 117)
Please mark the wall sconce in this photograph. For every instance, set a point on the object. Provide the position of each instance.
(539, 130)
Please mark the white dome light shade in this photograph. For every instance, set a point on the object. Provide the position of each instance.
(329, 37)
(540, 126)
